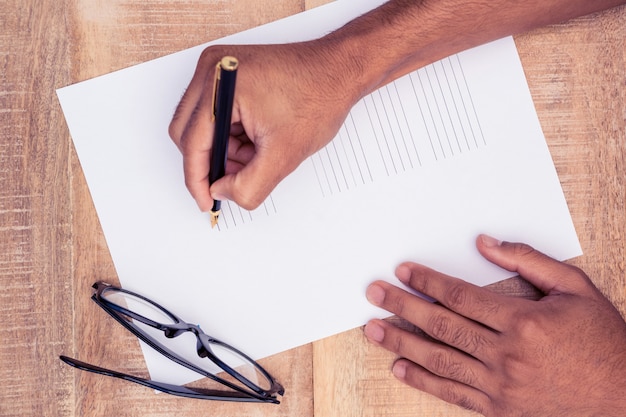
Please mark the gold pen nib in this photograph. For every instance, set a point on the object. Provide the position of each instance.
(214, 217)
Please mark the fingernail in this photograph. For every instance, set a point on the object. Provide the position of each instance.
(403, 273)
(375, 294)
(399, 369)
(489, 241)
(374, 332)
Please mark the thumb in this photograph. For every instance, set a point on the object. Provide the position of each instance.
(545, 273)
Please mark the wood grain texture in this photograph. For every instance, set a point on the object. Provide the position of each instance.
(35, 212)
(52, 247)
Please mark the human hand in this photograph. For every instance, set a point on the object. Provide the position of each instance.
(290, 101)
(563, 355)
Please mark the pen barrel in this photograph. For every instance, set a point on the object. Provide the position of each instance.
(224, 98)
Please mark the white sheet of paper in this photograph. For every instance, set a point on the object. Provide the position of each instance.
(417, 171)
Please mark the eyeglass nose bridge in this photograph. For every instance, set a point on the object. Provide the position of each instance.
(201, 347)
(172, 331)
(203, 352)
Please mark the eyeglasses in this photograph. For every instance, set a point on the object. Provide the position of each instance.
(157, 327)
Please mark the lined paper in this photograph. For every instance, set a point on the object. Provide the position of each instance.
(420, 119)
(232, 215)
(419, 168)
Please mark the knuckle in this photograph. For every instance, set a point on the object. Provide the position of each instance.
(526, 254)
(441, 362)
(578, 277)
(179, 123)
(521, 249)
(191, 184)
(438, 361)
(208, 55)
(397, 302)
(397, 345)
(487, 306)
(457, 297)
(528, 327)
(514, 372)
(247, 200)
(464, 374)
(188, 183)
(451, 393)
(172, 129)
(465, 402)
(185, 142)
(439, 326)
(464, 338)
(469, 341)
(579, 273)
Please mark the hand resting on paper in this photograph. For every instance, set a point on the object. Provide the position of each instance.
(563, 355)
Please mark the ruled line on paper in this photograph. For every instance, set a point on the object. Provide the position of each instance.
(232, 215)
(422, 118)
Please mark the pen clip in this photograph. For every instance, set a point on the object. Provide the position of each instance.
(216, 80)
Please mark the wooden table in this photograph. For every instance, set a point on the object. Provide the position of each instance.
(52, 247)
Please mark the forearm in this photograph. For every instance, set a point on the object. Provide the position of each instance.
(403, 35)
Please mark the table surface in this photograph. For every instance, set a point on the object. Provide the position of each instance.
(52, 247)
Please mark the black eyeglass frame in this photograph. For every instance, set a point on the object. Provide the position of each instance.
(251, 393)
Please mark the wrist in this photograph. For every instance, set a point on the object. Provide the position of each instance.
(378, 47)
(335, 72)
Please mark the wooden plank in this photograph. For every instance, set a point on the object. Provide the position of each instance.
(577, 79)
(35, 213)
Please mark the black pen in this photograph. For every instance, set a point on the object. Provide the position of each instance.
(223, 98)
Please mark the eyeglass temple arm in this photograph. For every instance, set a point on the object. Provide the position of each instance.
(179, 390)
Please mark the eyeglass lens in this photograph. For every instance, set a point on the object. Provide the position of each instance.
(138, 305)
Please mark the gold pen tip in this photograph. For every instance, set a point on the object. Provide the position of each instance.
(214, 218)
